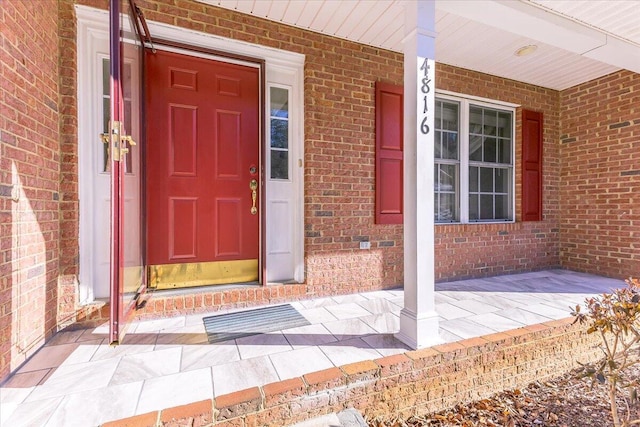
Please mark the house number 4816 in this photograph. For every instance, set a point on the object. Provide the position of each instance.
(425, 89)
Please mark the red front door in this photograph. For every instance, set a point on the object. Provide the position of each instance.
(203, 170)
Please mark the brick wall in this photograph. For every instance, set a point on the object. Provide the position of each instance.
(600, 193)
(29, 178)
(339, 148)
(69, 203)
(414, 383)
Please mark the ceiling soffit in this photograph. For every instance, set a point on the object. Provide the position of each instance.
(575, 43)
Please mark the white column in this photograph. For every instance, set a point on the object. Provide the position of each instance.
(418, 318)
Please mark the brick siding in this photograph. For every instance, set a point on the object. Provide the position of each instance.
(339, 88)
(412, 383)
(600, 193)
(29, 178)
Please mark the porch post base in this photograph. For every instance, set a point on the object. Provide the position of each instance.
(419, 332)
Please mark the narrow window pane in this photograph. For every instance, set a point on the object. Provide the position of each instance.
(475, 148)
(486, 180)
(504, 124)
(490, 122)
(450, 145)
(437, 144)
(474, 211)
(490, 150)
(502, 207)
(447, 177)
(502, 181)
(473, 179)
(279, 102)
(450, 116)
(504, 151)
(486, 206)
(279, 164)
(106, 73)
(475, 120)
(279, 133)
(446, 207)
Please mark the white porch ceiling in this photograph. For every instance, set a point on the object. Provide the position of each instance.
(578, 40)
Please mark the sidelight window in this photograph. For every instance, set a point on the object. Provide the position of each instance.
(279, 123)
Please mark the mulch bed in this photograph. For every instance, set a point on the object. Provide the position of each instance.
(565, 401)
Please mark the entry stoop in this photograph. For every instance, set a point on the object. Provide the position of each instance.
(347, 418)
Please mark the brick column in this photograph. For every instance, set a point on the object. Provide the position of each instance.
(418, 318)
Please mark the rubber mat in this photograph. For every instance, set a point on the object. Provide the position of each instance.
(223, 327)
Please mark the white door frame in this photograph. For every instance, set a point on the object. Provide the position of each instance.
(283, 69)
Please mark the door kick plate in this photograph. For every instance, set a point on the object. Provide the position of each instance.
(173, 276)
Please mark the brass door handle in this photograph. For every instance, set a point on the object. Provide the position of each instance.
(253, 185)
(119, 141)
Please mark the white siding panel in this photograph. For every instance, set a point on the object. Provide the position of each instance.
(339, 16)
(295, 9)
(618, 17)
(278, 9)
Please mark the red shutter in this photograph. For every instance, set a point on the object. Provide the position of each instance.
(531, 166)
(389, 144)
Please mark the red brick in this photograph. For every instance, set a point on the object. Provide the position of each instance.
(238, 404)
(283, 391)
(198, 414)
(149, 419)
(325, 379)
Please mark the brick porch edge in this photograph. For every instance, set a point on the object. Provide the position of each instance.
(415, 382)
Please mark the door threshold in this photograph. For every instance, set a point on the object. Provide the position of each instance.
(204, 289)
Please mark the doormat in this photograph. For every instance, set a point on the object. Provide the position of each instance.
(230, 326)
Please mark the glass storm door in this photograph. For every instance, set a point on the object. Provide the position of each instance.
(126, 265)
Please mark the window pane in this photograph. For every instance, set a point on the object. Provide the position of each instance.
(106, 73)
(279, 102)
(475, 120)
(447, 178)
(504, 154)
(450, 145)
(486, 206)
(450, 116)
(490, 122)
(473, 179)
(475, 148)
(473, 208)
(445, 207)
(279, 133)
(504, 124)
(502, 181)
(502, 207)
(279, 164)
(490, 150)
(486, 180)
(437, 144)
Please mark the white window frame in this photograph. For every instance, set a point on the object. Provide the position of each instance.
(465, 101)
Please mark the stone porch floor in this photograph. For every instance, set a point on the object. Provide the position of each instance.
(78, 380)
